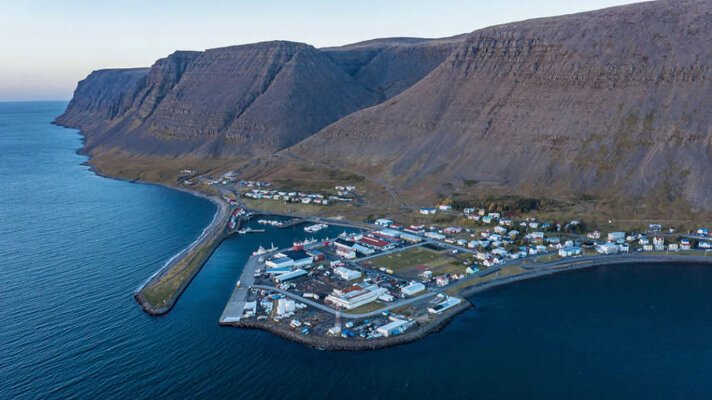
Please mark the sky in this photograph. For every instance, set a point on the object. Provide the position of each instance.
(49, 45)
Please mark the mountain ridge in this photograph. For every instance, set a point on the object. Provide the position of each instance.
(607, 104)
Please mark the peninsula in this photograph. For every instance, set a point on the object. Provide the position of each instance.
(456, 164)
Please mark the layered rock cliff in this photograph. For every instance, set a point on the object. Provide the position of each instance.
(241, 101)
(612, 103)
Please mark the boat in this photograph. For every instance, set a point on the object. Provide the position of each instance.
(261, 250)
(297, 245)
(250, 230)
(315, 228)
(271, 222)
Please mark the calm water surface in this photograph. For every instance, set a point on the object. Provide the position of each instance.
(73, 247)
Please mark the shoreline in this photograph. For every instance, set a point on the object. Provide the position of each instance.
(441, 321)
(213, 240)
(574, 265)
(349, 344)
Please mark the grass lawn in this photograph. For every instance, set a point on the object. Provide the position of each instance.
(278, 206)
(540, 259)
(411, 258)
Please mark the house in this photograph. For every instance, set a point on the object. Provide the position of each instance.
(643, 240)
(499, 252)
(616, 237)
(451, 230)
(704, 245)
(569, 251)
(442, 280)
(355, 296)
(537, 236)
(428, 211)
(685, 244)
(383, 222)
(594, 235)
(444, 207)
(500, 230)
(647, 247)
(412, 288)
(673, 247)
(659, 243)
(703, 231)
(607, 248)
(346, 273)
(487, 219)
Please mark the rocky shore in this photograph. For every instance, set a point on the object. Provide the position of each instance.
(352, 344)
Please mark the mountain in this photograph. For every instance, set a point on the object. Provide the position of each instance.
(610, 103)
(241, 101)
(392, 65)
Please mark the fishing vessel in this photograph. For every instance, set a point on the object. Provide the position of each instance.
(261, 250)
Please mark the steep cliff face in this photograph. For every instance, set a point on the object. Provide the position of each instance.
(389, 66)
(103, 96)
(229, 102)
(610, 103)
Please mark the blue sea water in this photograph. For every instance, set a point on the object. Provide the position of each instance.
(74, 246)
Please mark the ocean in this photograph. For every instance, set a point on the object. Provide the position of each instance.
(74, 246)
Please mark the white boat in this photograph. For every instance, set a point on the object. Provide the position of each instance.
(315, 228)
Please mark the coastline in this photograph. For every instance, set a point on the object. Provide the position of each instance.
(212, 239)
(574, 265)
(345, 344)
(216, 221)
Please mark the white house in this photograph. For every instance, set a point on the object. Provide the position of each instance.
(383, 222)
(607, 248)
(569, 251)
(616, 237)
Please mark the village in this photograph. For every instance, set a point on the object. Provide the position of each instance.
(394, 279)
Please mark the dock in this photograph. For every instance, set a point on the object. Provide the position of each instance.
(236, 305)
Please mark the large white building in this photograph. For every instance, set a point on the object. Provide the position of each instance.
(347, 274)
(412, 288)
(355, 296)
